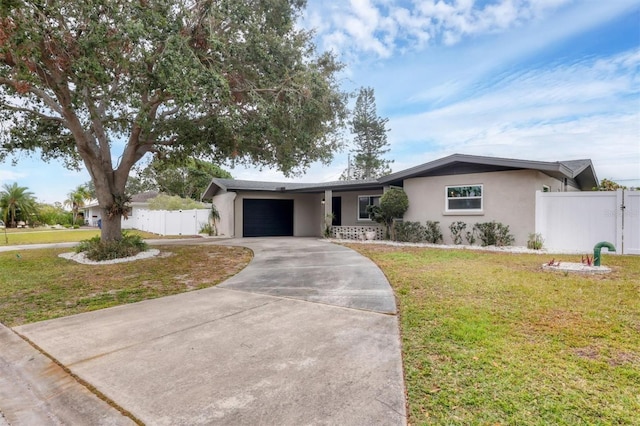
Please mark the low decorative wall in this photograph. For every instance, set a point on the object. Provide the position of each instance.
(356, 232)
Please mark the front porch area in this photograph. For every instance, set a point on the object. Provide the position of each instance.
(357, 232)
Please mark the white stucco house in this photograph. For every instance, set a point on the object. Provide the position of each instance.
(455, 188)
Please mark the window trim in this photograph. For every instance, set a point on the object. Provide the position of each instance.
(368, 219)
(447, 198)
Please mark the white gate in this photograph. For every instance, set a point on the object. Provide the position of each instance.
(631, 217)
(579, 220)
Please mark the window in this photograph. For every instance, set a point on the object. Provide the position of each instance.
(465, 198)
(363, 202)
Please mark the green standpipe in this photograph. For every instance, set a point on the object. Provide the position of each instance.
(596, 251)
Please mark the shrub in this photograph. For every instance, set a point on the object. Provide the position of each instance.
(393, 205)
(76, 226)
(410, 232)
(433, 233)
(535, 241)
(470, 236)
(97, 250)
(493, 233)
(208, 228)
(457, 231)
(174, 202)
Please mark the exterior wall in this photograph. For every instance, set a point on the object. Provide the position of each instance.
(226, 208)
(350, 207)
(92, 214)
(508, 197)
(307, 211)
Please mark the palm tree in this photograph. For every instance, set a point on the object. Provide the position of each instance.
(214, 217)
(16, 203)
(76, 200)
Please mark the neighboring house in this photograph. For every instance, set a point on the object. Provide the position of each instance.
(93, 212)
(455, 188)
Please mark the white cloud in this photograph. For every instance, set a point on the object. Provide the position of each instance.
(9, 176)
(385, 27)
(588, 109)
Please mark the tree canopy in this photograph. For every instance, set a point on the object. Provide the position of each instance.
(187, 180)
(609, 185)
(76, 200)
(370, 140)
(16, 204)
(106, 82)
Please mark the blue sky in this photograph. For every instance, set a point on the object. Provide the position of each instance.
(540, 80)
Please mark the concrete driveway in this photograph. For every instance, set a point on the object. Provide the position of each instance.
(306, 334)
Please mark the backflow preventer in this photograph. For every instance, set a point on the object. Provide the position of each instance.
(596, 251)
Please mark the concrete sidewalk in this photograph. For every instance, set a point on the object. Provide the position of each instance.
(288, 349)
(36, 391)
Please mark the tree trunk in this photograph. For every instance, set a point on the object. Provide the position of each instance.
(111, 228)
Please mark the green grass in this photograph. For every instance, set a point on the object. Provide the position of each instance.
(45, 236)
(492, 339)
(37, 285)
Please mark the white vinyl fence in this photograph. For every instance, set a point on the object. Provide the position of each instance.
(165, 222)
(579, 220)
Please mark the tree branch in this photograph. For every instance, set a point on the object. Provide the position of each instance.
(48, 100)
(30, 111)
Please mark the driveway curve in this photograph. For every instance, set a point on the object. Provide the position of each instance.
(306, 334)
(313, 270)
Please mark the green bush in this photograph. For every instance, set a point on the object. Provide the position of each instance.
(457, 231)
(470, 236)
(76, 226)
(174, 202)
(209, 229)
(98, 250)
(493, 234)
(433, 234)
(393, 205)
(410, 232)
(535, 241)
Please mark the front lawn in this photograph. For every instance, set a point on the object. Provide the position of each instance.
(36, 284)
(488, 338)
(46, 236)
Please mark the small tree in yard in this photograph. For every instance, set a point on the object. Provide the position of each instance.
(393, 205)
(223, 80)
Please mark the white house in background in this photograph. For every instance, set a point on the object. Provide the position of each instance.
(93, 212)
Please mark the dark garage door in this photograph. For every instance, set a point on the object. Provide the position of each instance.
(267, 218)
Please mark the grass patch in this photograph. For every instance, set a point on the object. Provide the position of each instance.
(40, 236)
(488, 338)
(36, 285)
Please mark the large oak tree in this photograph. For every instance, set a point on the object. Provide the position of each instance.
(106, 82)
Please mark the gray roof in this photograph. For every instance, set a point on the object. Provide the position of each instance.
(578, 173)
(224, 185)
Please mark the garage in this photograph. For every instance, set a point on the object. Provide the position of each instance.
(267, 218)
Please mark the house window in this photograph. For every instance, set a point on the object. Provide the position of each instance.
(363, 202)
(464, 198)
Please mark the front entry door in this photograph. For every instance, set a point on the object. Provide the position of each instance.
(336, 209)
